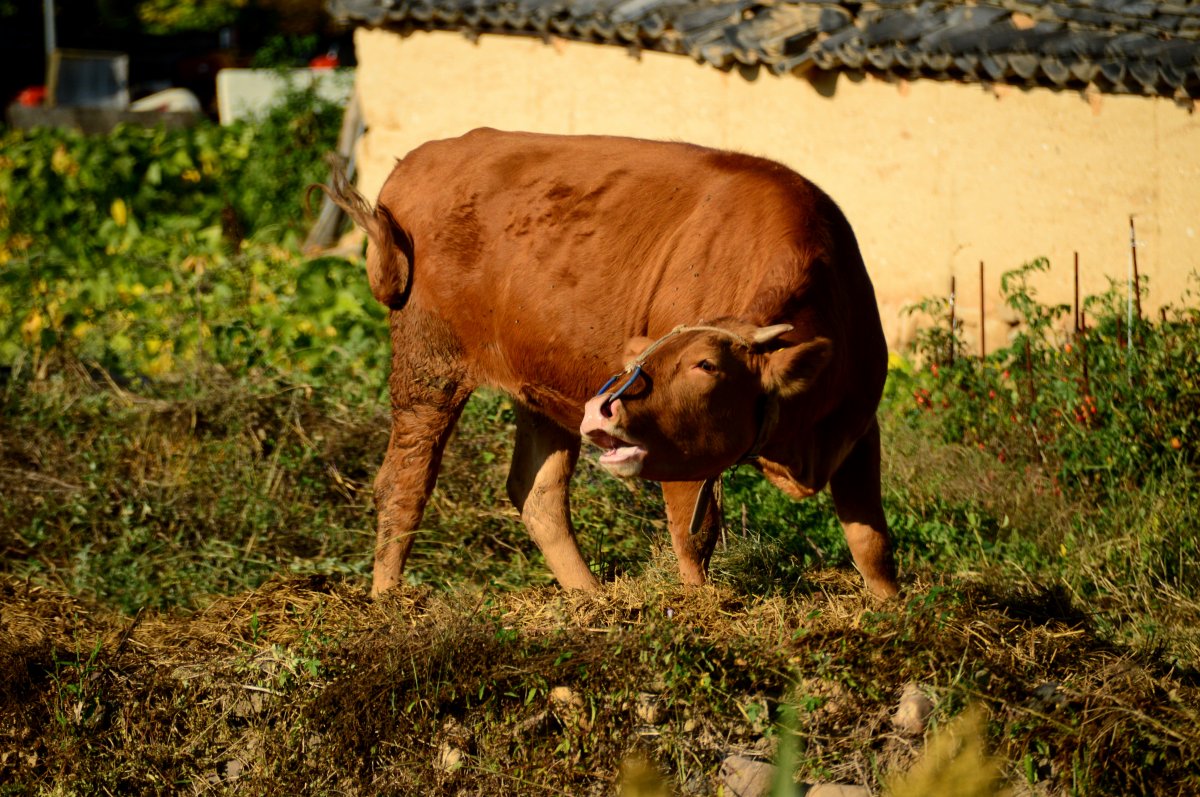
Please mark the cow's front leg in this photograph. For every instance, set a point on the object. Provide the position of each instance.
(859, 504)
(539, 487)
(692, 550)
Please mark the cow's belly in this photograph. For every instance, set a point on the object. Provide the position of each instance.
(786, 480)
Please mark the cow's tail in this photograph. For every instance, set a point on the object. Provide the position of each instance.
(389, 255)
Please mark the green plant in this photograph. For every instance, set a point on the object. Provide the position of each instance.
(176, 16)
(1069, 457)
(149, 252)
(284, 51)
(1083, 406)
(78, 701)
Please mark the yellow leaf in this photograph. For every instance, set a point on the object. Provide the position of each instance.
(898, 363)
(33, 325)
(160, 365)
(120, 213)
(61, 161)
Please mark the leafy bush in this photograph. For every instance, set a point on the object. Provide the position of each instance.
(174, 16)
(280, 50)
(141, 191)
(146, 249)
(1086, 406)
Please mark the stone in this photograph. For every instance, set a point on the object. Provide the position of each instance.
(647, 709)
(746, 777)
(837, 790)
(450, 758)
(569, 708)
(912, 715)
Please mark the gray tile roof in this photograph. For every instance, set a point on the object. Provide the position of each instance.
(1128, 46)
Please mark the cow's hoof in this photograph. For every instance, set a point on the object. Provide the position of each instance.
(884, 590)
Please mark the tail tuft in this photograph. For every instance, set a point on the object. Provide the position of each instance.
(389, 254)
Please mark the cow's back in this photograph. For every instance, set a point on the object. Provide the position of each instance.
(544, 254)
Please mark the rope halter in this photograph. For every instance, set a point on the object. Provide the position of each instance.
(634, 367)
(766, 422)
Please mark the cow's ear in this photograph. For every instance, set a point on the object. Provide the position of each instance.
(791, 371)
(634, 348)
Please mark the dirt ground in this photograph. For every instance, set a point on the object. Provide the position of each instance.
(305, 685)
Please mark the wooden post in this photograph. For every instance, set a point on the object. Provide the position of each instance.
(324, 230)
(49, 30)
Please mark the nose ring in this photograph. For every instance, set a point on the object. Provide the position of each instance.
(604, 405)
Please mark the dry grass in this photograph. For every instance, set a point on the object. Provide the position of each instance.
(307, 686)
(147, 655)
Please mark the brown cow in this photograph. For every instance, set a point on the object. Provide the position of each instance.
(539, 265)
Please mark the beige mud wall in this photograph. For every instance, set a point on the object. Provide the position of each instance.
(934, 176)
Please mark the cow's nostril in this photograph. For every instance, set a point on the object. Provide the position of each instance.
(606, 408)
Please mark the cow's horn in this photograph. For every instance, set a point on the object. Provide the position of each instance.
(768, 334)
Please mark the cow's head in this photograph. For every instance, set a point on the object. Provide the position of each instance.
(704, 399)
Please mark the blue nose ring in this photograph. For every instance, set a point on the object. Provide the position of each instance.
(633, 376)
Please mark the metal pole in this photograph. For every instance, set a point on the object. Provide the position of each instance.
(51, 37)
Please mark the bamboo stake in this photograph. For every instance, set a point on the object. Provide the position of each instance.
(1087, 384)
(952, 301)
(1137, 282)
(982, 319)
(1076, 294)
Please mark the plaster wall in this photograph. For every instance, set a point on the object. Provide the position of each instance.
(934, 176)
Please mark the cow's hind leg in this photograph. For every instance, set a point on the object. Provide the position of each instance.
(859, 504)
(692, 550)
(429, 390)
(538, 485)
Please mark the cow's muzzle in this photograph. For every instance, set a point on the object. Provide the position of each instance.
(603, 425)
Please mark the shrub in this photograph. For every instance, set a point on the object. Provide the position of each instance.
(1087, 407)
(146, 250)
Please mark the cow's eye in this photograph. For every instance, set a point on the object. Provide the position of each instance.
(706, 366)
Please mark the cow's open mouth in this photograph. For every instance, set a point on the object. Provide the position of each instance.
(620, 456)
